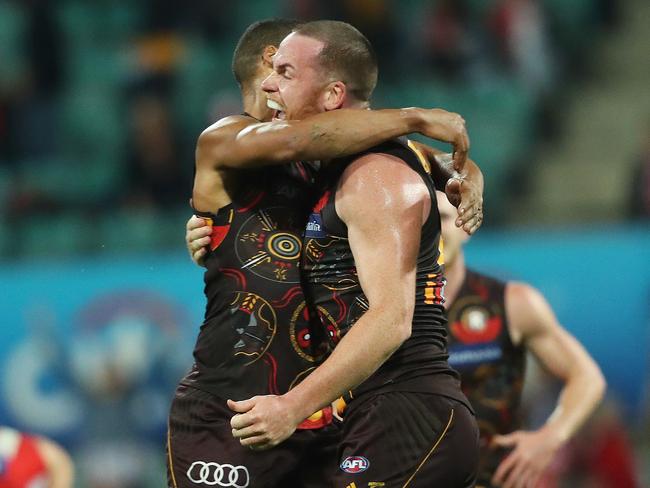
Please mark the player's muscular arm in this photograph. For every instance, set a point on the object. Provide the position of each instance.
(533, 323)
(232, 144)
(383, 203)
(462, 183)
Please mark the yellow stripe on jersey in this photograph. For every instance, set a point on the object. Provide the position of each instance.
(430, 290)
(423, 161)
(170, 458)
(441, 252)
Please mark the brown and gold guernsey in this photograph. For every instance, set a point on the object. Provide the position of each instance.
(332, 287)
(255, 338)
(492, 368)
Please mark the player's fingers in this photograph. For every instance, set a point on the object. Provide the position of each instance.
(459, 156)
(503, 469)
(507, 440)
(475, 227)
(534, 478)
(200, 243)
(256, 442)
(472, 223)
(453, 192)
(466, 215)
(523, 477)
(461, 147)
(515, 475)
(199, 233)
(198, 255)
(195, 222)
(241, 421)
(468, 227)
(250, 431)
(241, 406)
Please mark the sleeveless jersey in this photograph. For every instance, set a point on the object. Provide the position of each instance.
(332, 287)
(492, 368)
(255, 338)
(21, 465)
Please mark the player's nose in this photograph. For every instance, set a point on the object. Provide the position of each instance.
(269, 84)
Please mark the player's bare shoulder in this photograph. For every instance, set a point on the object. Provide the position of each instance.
(379, 182)
(215, 144)
(230, 125)
(528, 311)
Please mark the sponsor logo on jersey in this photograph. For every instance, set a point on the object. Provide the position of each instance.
(465, 355)
(355, 464)
(476, 325)
(315, 226)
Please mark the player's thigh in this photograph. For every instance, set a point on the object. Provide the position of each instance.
(201, 450)
(402, 439)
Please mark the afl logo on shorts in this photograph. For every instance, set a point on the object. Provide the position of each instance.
(214, 474)
(355, 464)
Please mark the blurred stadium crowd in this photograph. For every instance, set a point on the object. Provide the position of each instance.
(101, 102)
(100, 106)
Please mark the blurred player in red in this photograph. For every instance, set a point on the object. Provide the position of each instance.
(28, 461)
(492, 324)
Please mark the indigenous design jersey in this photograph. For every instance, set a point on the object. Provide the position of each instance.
(21, 465)
(332, 286)
(255, 338)
(492, 368)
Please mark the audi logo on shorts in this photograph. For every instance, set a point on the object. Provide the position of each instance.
(215, 474)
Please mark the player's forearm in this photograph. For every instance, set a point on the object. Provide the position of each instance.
(366, 346)
(327, 135)
(580, 396)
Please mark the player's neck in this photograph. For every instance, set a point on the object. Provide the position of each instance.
(455, 274)
(357, 104)
(255, 104)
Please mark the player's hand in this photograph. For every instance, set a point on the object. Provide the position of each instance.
(448, 127)
(531, 454)
(262, 421)
(467, 197)
(197, 238)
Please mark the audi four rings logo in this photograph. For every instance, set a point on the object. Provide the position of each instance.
(214, 474)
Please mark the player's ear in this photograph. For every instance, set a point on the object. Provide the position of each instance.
(335, 95)
(267, 55)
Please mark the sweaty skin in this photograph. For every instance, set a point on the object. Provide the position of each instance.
(463, 187)
(293, 79)
(533, 324)
(239, 142)
(384, 203)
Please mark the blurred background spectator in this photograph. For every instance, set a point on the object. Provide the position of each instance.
(101, 104)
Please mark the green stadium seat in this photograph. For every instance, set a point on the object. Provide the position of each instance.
(254, 10)
(204, 72)
(12, 25)
(71, 182)
(135, 230)
(5, 239)
(50, 236)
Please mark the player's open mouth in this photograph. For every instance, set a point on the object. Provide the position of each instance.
(279, 109)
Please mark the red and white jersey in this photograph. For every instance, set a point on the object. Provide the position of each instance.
(21, 465)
